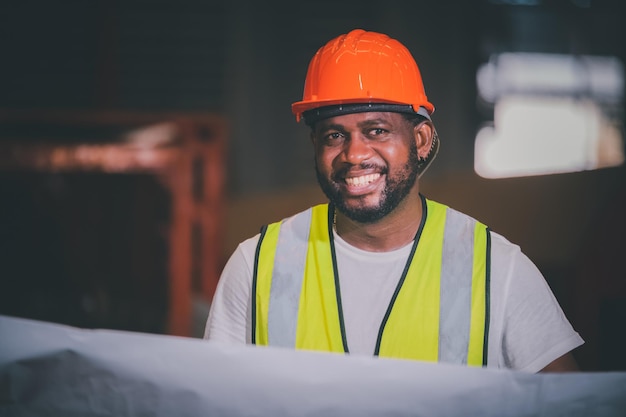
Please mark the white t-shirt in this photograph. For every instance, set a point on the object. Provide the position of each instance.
(527, 330)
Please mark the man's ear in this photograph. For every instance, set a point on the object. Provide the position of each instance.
(424, 136)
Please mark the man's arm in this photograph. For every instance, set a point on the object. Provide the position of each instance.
(229, 315)
(565, 363)
(536, 333)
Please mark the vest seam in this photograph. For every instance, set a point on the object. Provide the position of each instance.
(331, 239)
(407, 265)
(487, 297)
(254, 285)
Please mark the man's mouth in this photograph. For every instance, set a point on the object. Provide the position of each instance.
(361, 180)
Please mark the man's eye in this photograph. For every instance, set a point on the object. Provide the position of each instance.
(377, 131)
(333, 137)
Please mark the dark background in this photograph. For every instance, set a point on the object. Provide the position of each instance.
(89, 249)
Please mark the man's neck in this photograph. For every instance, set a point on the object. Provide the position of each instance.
(393, 231)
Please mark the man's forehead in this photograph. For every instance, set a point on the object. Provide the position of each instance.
(361, 118)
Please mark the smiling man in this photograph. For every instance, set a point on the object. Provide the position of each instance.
(380, 269)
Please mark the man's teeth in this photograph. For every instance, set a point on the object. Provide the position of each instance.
(363, 180)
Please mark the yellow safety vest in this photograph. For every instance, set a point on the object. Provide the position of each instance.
(439, 310)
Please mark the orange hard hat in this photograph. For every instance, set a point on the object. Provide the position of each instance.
(363, 68)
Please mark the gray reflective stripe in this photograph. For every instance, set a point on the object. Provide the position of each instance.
(288, 273)
(456, 287)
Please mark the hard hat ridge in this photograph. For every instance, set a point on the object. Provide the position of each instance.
(362, 67)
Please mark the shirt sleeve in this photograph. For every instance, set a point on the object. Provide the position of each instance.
(229, 315)
(536, 331)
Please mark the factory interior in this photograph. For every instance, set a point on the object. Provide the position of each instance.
(141, 141)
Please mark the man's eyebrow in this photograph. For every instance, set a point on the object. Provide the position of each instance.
(372, 122)
(363, 124)
(330, 126)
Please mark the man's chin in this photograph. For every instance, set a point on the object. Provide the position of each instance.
(360, 209)
(361, 213)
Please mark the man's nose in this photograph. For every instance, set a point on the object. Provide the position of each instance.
(356, 150)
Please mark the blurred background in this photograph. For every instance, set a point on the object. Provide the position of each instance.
(141, 141)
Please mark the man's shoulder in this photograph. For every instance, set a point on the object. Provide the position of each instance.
(499, 243)
(249, 245)
(303, 212)
(433, 204)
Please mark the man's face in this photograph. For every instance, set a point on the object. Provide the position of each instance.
(366, 163)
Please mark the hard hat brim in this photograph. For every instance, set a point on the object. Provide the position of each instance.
(319, 113)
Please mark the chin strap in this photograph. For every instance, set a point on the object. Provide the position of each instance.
(432, 153)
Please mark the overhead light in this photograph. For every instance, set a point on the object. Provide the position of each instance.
(552, 114)
(598, 77)
(517, 2)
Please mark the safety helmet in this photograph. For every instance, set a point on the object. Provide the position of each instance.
(363, 68)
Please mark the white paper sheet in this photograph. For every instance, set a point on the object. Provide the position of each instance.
(53, 370)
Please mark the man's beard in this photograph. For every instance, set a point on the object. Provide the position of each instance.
(396, 189)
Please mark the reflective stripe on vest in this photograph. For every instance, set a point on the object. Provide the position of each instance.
(439, 311)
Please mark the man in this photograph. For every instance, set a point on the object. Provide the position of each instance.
(381, 270)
